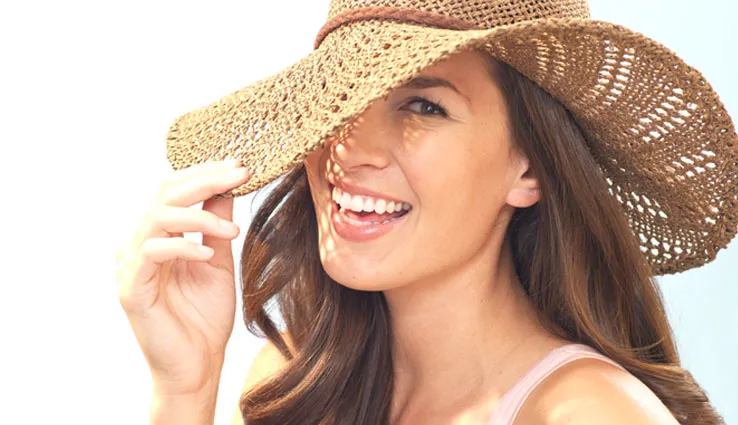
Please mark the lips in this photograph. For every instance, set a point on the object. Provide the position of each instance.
(365, 226)
(364, 232)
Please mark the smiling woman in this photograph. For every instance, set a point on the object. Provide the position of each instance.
(477, 198)
(506, 270)
(411, 155)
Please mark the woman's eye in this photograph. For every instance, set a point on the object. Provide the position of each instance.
(426, 107)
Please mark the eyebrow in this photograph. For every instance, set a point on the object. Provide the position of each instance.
(430, 82)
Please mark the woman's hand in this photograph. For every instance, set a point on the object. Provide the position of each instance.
(180, 296)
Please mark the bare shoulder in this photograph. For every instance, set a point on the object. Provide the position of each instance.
(268, 362)
(589, 391)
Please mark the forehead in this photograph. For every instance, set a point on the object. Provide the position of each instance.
(467, 72)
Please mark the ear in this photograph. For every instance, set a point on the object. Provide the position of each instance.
(525, 190)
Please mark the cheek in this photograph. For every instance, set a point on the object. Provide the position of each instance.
(315, 165)
(315, 171)
(312, 162)
(460, 191)
(440, 175)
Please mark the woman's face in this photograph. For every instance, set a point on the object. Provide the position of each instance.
(445, 150)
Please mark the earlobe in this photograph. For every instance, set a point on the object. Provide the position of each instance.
(526, 191)
(523, 197)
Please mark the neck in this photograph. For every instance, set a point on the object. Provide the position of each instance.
(463, 336)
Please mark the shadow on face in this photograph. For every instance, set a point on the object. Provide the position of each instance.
(441, 144)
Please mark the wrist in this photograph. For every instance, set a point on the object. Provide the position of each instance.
(173, 404)
(184, 408)
(166, 386)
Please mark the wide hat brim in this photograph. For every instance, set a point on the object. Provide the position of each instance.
(663, 139)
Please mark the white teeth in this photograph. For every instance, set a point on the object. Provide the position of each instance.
(369, 205)
(358, 203)
(380, 206)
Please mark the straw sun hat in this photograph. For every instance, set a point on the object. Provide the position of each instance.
(661, 135)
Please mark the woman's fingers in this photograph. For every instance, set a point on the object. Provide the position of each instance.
(198, 187)
(213, 221)
(147, 262)
(223, 210)
(155, 251)
(185, 173)
(176, 220)
(177, 193)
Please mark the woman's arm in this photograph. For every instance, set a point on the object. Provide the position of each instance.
(185, 409)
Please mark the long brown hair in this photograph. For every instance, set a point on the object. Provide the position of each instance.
(574, 252)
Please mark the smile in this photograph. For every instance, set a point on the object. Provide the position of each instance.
(360, 218)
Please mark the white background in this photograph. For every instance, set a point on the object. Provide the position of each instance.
(87, 92)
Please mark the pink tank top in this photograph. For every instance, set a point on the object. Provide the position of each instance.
(509, 405)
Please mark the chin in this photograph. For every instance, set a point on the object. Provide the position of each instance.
(361, 277)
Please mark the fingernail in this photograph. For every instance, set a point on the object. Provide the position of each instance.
(229, 226)
(205, 251)
(238, 173)
(233, 162)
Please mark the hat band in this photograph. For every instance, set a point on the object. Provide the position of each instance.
(393, 13)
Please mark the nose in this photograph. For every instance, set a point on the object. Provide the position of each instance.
(363, 143)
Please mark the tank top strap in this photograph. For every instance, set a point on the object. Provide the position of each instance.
(511, 402)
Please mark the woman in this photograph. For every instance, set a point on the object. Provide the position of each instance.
(453, 255)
